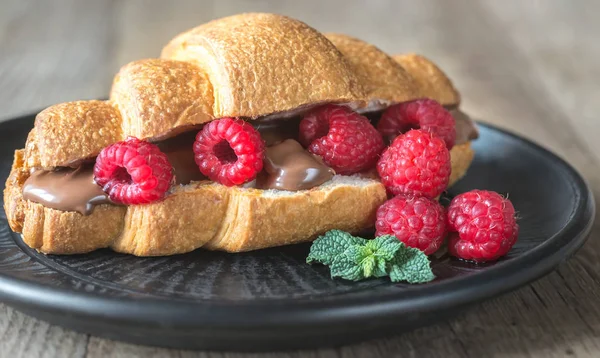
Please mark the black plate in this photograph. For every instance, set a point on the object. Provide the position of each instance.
(271, 299)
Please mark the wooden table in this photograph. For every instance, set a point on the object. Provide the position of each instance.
(531, 67)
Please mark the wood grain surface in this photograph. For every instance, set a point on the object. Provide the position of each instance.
(528, 66)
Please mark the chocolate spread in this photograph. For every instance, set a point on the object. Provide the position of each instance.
(273, 132)
(65, 189)
(180, 152)
(466, 130)
(288, 166)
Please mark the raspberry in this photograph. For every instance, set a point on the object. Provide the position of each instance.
(486, 226)
(425, 114)
(416, 221)
(346, 141)
(229, 151)
(416, 163)
(133, 172)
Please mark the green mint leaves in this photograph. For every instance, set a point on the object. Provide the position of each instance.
(354, 258)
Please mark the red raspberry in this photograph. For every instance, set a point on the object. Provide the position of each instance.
(229, 151)
(345, 140)
(133, 172)
(416, 163)
(416, 221)
(425, 114)
(486, 226)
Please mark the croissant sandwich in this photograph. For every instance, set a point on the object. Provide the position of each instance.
(250, 131)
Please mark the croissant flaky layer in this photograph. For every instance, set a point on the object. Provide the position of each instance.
(150, 99)
(382, 78)
(431, 80)
(266, 63)
(248, 65)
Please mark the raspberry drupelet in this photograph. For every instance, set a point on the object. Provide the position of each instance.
(416, 221)
(346, 141)
(416, 163)
(485, 226)
(425, 114)
(133, 172)
(229, 151)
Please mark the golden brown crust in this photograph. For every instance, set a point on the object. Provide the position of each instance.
(257, 220)
(182, 222)
(156, 97)
(59, 232)
(432, 81)
(13, 192)
(461, 156)
(260, 64)
(31, 154)
(69, 132)
(381, 77)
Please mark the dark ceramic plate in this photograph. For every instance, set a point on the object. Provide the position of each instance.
(271, 299)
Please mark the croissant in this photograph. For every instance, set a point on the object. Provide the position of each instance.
(264, 68)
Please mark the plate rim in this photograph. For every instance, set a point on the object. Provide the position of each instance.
(497, 279)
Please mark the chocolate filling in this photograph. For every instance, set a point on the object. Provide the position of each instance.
(288, 166)
(273, 132)
(65, 189)
(466, 129)
(180, 152)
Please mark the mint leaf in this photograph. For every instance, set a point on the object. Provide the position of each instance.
(368, 265)
(345, 267)
(362, 257)
(330, 245)
(410, 265)
(357, 253)
(385, 247)
(380, 267)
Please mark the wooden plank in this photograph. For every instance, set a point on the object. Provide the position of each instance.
(23, 336)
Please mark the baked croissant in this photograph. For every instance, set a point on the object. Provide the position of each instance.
(264, 68)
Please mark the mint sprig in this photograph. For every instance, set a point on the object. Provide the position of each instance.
(354, 258)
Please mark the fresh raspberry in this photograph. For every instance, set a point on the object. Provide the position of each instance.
(416, 221)
(486, 226)
(229, 151)
(416, 163)
(346, 141)
(133, 172)
(425, 114)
